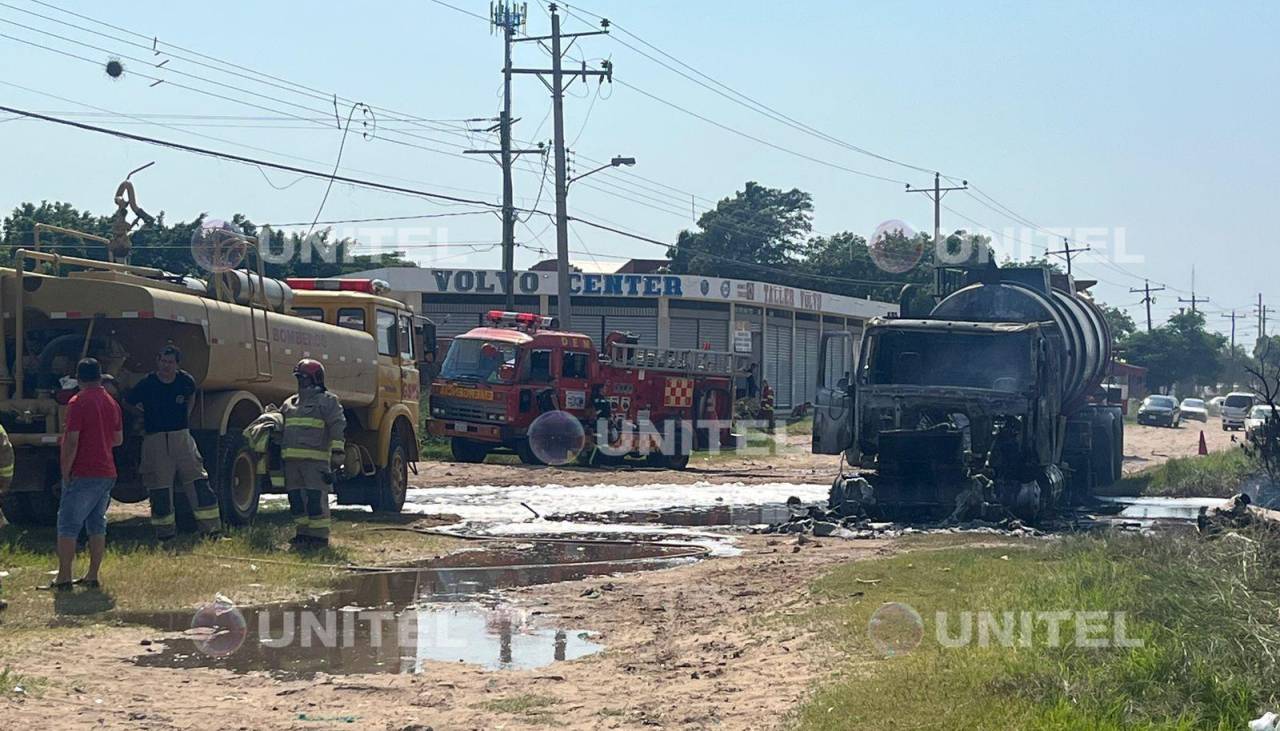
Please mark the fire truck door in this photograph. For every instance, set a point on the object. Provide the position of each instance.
(574, 384)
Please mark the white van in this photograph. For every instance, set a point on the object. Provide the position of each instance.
(1235, 409)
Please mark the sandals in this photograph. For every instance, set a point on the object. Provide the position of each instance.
(58, 586)
(88, 583)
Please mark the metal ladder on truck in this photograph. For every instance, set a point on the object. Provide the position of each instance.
(692, 361)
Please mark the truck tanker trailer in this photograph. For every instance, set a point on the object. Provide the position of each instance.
(990, 403)
(240, 334)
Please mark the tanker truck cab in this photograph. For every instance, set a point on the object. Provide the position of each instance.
(381, 434)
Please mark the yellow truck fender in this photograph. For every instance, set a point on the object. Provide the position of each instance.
(395, 413)
(222, 411)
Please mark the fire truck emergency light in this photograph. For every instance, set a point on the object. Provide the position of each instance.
(368, 286)
(526, 320)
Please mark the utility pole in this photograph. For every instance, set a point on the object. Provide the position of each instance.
(1232, 316)
(1146, 297)
(1066, 252)
(935, 194)
(1193, 299)
(557, 88)
(1262, 316)
(508, 19)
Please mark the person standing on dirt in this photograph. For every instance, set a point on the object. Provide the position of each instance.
(93, 427)
(766, 404)
(166, 397)
(313, 448)
(6, 475)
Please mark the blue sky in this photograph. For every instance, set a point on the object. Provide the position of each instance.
(1146, 124)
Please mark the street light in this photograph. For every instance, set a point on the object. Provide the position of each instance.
(614, 163)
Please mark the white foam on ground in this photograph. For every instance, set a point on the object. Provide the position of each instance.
(491, 503)
(718, 544)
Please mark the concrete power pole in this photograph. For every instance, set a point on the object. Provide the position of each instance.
(557, 87)
(1067, 251)
(508, 19)
(1194, 300)
(1147, 290)
(1262, 316)
(935, 194)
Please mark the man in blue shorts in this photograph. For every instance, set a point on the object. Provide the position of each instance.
(91, 430)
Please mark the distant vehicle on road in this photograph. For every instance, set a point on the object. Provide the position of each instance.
(1215, 405)
(1160, 410)
(1235, 409)
(1195, 409)
(1257, 418)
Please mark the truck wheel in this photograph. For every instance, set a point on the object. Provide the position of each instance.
(235, 481)
(525, 453)
(677, 461)
(30, 509)
(465, 450)
(393, 480)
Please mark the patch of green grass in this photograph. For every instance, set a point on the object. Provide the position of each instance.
(11, 681)
(1217, 474)
(250, 565)
(527, 703)
(1204, 611)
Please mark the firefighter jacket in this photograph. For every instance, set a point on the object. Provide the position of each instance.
(314, 426)
(6, 460)
(264, 435)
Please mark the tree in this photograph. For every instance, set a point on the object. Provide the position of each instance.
(757, 228)
(1180, 351)
(1122, 326)
(167, 246)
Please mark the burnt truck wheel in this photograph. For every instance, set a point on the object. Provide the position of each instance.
(392, 482)
(235, 481)
(30, 509)
(465, 450)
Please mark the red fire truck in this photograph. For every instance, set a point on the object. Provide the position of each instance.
(633, 401)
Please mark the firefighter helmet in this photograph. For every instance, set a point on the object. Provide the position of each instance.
(313, 369)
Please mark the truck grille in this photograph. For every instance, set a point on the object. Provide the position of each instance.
(463, 410)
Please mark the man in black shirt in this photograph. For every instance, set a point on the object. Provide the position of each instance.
(166, 397)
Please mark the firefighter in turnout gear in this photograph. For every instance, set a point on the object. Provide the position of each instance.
(313, 448)
(6, 474)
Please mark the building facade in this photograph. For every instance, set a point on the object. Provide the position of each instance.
(775, 326)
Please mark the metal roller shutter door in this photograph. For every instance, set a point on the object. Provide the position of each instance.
(778, 354)
(714, 333)
(454, 319)
(684, 333)
(806, 361)
(645, 327)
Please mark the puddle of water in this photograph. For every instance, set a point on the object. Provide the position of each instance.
(709, 516)
(1157, 508)
(447, 609)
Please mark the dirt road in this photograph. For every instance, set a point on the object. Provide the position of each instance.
(712, 644)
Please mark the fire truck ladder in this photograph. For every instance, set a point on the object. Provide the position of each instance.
(678, 360)
(256, 302)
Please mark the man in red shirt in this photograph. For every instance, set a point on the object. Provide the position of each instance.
(93, 427)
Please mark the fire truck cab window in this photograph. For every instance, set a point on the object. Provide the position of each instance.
(351, 318)
(315, 314)
(406, 338)
(574, 365)
(540, 365)
(387, 332)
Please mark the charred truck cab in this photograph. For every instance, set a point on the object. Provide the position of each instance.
(990, 405)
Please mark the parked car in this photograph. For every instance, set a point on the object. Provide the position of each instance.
(1235, 409)
(1215, 405)
(1160, 410)
(1194, 408)
(1257, 418)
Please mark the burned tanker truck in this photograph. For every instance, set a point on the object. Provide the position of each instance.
(990, 404)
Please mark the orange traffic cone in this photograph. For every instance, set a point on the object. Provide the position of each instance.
(1204, 449)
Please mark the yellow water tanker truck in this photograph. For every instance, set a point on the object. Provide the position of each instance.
(240, 334)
